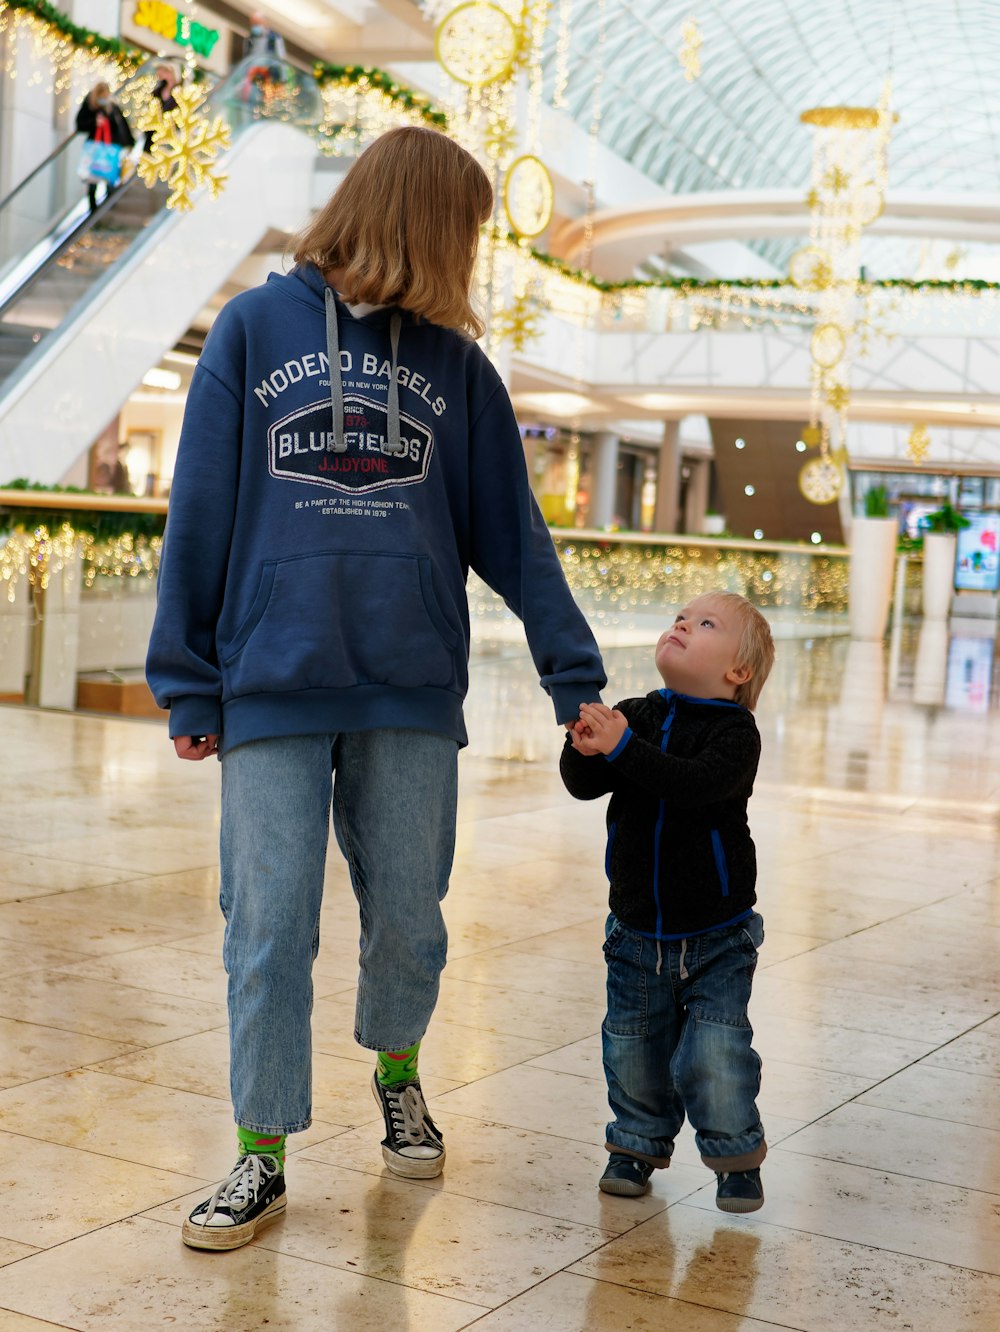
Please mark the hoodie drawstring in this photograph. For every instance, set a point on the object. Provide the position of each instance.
(336, 381)
(682, 969)
(394, 443)
(659, 957)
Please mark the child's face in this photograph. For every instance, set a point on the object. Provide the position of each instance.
(698, 654)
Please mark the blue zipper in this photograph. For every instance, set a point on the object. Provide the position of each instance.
(668, 722)
(720, 861)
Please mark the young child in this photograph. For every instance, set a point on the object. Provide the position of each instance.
(682, 937)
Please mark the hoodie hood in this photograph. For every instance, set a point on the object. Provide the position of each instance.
(309, 276)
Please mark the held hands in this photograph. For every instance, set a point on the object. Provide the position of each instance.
(195, 746)
(599, 729)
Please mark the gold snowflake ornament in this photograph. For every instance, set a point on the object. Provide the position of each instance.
(520, 322)
(918, 443)
(184, 148)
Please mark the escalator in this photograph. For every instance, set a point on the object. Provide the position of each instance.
(89, 301)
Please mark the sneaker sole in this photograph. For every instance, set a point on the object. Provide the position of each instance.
(739, 1204)
(413, 1167)
(622, 1188)
(221, 1238)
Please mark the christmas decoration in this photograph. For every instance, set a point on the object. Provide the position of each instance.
(821, 480)
(690, 52)
(519, 323)
(184, 148)
(918, 443)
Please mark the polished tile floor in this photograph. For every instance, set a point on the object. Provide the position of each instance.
(877, 1012)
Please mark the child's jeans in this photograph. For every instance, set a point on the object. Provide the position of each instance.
(680, 1041)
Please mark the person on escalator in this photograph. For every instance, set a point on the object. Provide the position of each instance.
(163, 92)
(102, 120)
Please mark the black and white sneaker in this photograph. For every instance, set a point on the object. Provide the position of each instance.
(251, 1197)
(413, 1146)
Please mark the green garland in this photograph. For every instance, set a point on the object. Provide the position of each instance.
(686, 285)
(98, 524)
(82, 38)
(348, 76)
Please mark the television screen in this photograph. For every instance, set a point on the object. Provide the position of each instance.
(977, 554)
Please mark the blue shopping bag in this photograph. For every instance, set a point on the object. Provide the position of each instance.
(101, 162)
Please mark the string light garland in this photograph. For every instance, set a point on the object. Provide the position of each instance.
(365, 81)
(37, 544)
(846, 194)
(614, 581)
(51, 25)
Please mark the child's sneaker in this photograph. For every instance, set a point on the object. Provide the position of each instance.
(251, 1197)
(739, 1191)
(413, 1145)
(626, 1176)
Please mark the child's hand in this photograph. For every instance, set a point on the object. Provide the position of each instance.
(605, 728)
(583, 740)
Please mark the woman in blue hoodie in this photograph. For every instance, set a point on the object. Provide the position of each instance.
(348, 454)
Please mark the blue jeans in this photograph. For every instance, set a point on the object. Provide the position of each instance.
(394, 808)
(680, 1041)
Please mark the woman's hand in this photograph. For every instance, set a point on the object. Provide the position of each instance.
(195, 746)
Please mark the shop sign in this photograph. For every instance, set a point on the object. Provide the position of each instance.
(168, 22)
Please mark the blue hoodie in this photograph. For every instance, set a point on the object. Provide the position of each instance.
(322, 527)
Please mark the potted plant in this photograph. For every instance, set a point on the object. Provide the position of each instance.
(713, 524)
(941, 530)
(873, 559)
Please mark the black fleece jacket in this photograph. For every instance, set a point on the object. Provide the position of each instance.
(680, 858)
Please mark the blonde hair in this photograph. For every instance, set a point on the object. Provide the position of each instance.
(403, 226)
(756, 646)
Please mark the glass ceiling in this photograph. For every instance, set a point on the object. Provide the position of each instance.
(765, 61)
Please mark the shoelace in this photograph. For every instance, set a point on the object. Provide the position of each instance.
(245, 1182)
(408, 1106)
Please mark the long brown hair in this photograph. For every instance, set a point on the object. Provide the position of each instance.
(403, 227)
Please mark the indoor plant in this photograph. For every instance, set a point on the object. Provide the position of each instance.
(873, 557)
(941, 530)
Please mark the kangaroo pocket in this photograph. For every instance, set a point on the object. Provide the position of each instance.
(336, 620)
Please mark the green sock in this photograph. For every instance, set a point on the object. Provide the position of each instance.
(270, 1144)
(395, 1066)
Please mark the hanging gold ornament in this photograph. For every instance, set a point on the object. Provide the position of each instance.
(477, 44)
(846, 194)
(821, 480)
(519, 323)
(690, 53)
(828, 345)
(813, 436)
(528, 196)
(810, 269)
(184, 148)
(918, 443)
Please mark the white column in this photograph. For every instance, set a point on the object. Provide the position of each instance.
(696, 498)
(56, 640)
(15, 625)
(668, 479)
(604, 478)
